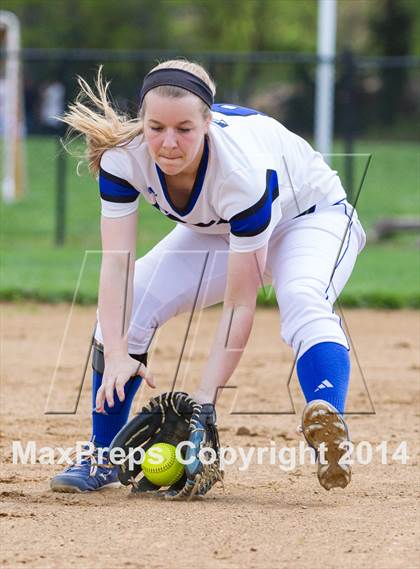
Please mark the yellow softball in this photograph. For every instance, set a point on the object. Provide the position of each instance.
(160, 465)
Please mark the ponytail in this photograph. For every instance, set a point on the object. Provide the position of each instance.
(104, 127)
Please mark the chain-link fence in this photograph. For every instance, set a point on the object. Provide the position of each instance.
(375, 96)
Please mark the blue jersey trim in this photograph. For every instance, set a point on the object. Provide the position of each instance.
(114, 189)
(198, 183)
(178, 220)
(256, 218)
(230, 110)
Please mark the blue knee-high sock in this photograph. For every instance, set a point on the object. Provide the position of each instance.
(105, 427)
(324, 373)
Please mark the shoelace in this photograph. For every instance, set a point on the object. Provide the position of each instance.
(91, 457)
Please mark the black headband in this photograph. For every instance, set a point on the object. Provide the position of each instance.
(177, 78)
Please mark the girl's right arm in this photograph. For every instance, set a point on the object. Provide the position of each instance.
(115, 301)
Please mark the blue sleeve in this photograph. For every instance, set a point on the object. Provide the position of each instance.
(255, 219)
(114, 189)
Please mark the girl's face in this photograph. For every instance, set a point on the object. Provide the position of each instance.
(174, 130)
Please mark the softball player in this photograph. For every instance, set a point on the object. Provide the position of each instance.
(254, 204)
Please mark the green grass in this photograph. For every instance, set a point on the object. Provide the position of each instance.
(392, 183)
(387, 274)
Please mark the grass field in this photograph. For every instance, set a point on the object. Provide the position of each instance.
(387, 273)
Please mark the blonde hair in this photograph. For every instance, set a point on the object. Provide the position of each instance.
(93, 115)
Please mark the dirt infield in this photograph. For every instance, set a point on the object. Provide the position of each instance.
(267, 517)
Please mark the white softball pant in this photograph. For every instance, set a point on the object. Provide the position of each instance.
(310, 258)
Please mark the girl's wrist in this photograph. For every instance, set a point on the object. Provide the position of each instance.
(116, 351)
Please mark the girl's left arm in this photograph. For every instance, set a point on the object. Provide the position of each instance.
(245, 277)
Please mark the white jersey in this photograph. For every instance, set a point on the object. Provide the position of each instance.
(253, 175)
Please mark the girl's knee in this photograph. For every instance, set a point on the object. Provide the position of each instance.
(307, 316)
